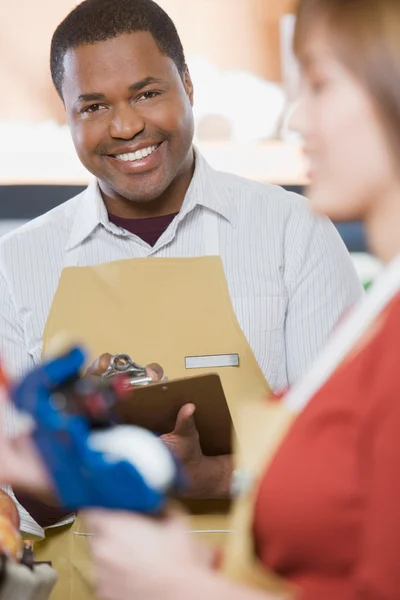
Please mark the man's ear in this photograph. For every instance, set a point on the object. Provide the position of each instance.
(187, 82)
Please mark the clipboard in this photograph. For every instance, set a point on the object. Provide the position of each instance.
(156, 406)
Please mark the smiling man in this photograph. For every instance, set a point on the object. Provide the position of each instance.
(129, 107)
(120, 70)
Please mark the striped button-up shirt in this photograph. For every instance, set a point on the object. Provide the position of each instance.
(289, 274)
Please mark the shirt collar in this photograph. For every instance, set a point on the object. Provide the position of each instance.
(204, 190)
(91, 212)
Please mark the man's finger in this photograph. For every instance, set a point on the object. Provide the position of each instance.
(155, 371)
(185, 424)
(100, 365)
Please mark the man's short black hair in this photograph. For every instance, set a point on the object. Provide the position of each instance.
(100, 20)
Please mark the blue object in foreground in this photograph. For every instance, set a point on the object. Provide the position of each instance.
(84, 477)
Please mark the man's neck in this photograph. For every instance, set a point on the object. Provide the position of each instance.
(170, 201)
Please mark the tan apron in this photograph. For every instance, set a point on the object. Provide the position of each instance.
(156, 310)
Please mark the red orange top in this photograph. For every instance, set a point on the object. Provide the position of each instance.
(328, 513)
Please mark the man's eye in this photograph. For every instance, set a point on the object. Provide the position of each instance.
(92, 108)
(148, 95)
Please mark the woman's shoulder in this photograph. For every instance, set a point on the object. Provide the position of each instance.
(371, 371)
(378, 345)
(379, 378)
(393, 308)
(379, 363)
(388, 323)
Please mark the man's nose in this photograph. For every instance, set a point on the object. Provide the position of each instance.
(126, 123)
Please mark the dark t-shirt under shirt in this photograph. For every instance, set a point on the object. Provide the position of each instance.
(149, 230)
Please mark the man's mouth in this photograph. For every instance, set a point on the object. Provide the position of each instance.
(138, 155)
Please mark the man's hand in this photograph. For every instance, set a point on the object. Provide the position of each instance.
(184, 441)
(209, 476)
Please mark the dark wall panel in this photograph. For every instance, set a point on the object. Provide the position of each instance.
(25, 202)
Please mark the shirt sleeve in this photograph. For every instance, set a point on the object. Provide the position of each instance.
(17, 361)
(13, 350)
(322, 286)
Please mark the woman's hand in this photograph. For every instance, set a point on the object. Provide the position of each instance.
(137, 557)
(20, 464)
(157, 559)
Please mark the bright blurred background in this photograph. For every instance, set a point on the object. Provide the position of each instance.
(239, 55)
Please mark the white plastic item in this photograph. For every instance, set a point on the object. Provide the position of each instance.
(144, 450)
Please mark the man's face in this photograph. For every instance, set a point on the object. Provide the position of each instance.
(130, 115)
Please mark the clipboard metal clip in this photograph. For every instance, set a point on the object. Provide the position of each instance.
(122, 364)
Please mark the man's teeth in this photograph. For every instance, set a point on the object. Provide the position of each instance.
(138, 155)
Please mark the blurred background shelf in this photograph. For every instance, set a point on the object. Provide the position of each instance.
(270, 162)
